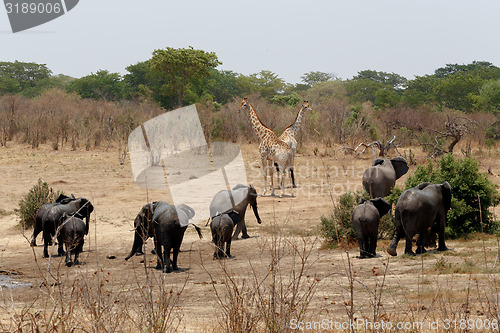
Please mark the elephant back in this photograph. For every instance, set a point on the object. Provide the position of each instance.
(225, 200)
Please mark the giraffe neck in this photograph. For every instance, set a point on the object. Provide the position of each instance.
(294, 128)
(260, 129)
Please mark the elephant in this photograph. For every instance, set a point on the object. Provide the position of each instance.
(222, 229)
(51, 219)
(71, 232)
(166, 224)
(41, 212)
(237, 199)
(365, 219)
(380, 178)
(417, 210)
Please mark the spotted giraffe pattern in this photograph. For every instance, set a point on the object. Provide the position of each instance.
(271, 148)
(288, 136)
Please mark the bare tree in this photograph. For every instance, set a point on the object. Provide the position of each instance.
(455, 128)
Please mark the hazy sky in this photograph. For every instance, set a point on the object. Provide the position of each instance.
(289, 38)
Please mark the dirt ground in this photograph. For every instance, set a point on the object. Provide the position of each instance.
(446, 286)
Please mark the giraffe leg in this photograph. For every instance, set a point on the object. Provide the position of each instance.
(282, 184)
(264, 172)
(270, 169)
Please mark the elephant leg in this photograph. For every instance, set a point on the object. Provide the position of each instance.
(217, 242)
(228, 248)
(362, 250)
(68, 254)
(408, 245)
(394, 244)
(168, 265)
(60, 243)
(79, 249)
(244, 229)
(238, 229)
(46, 239)
(175, 252)
(442, 245)
(36, 230)
(421, 243)
(373, 245)
(159, 259)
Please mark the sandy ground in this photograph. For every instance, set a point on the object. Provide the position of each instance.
(411, 285)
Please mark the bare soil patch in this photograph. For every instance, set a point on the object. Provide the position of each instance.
(456, 284)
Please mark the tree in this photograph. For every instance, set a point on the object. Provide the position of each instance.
(22, 77)
(316, 77)
(395, 80)
(101, 85)
(489, 97)
(221, 86)
(377, 87)
(181, 67)
(266, 83)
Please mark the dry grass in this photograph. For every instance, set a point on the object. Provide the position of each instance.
(280, 277)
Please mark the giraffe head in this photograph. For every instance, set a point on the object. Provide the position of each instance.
(306, 106)
(244, 104)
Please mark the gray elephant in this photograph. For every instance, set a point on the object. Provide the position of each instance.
(417, 210)
(71, 232)
(365, 219)
(166, 224)
(51, 219)
(222, 229)
(380, 178)
(38, 228)
(237, 199)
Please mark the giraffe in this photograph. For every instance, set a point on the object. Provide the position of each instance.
(271, 149)
(288, 136)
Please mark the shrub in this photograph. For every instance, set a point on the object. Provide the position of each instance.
(467, 184)
(338, 228)
(38, 195)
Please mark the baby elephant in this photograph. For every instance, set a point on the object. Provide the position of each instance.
(222, 230)
(365, 218)
(71, 233)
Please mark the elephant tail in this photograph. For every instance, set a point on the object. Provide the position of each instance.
(198, 230)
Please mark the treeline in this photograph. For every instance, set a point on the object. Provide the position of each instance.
(372, 105)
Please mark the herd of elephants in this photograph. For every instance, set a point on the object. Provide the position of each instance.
(420, 210)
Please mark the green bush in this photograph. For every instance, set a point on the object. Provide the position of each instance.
(467, 183)
(38, 195)
(338, 228)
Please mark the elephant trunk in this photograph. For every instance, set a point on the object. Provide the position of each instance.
(136, 246)
(87, 221)
(256, 213)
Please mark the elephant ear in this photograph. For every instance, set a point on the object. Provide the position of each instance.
(400, 166)
(61, 198)
(421, 186)
(382, 206)
(252, 191)
(188, 210)
(378, 161)
(361, 201)
(446, 190)
(235, 216)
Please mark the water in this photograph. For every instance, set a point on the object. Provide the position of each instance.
(6, 282)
